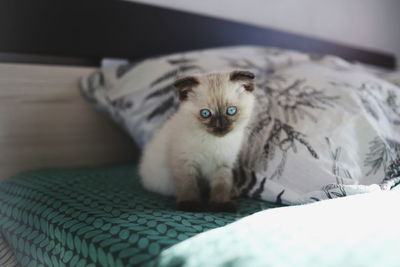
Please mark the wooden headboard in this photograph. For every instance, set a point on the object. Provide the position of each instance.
(83, 32)
(45, 122)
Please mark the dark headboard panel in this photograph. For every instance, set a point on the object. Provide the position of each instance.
(83, 32)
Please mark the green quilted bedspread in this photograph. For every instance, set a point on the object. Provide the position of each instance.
(98, 216)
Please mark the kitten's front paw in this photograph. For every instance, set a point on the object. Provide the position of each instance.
(229, 206)
(192, 206)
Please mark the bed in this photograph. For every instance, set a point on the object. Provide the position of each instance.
(84, 205)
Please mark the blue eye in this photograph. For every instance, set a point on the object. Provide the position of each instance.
(231, 111)
(205, 113)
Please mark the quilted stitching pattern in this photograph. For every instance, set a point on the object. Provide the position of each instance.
(7, 257)
(96, 217)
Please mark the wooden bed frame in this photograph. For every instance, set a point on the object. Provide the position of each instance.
(45, 122)
(84, 32)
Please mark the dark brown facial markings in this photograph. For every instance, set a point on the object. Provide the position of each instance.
(185, 85)
(238, 75)
(243, 76)
(219, 124)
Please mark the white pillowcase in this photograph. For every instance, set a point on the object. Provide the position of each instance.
(325, 128)
(324, 131)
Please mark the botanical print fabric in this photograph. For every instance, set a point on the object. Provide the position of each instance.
(322, 131)
(323, 128)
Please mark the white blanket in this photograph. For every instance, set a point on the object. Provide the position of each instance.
(353, 231)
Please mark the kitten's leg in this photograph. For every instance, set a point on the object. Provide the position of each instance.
(221, 184)
(188, 193)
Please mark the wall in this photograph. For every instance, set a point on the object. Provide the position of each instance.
(373, 24)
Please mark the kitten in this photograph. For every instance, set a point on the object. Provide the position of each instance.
(201, 141)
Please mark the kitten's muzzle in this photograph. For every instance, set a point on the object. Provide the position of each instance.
(221, 131)
(220, 125)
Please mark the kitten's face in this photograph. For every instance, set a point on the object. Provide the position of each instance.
(220, 103)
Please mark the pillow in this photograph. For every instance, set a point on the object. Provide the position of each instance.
(323, 128)
(140, 96)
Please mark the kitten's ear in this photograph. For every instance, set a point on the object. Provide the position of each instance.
(185, 85)
(243, 76)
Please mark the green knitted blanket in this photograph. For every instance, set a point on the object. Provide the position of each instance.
(96, 216)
